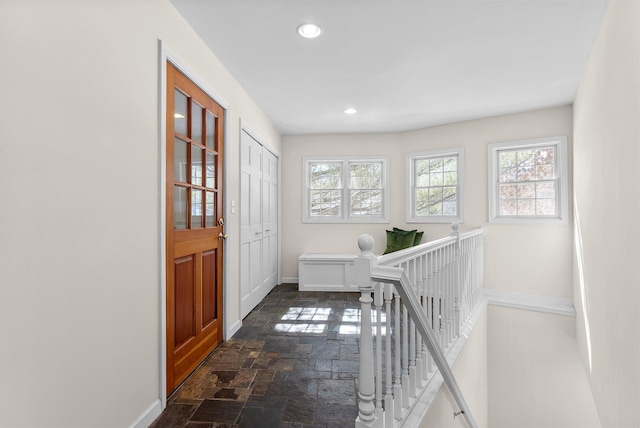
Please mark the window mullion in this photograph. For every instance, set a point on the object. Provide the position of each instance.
(346, 190)
(333, 176)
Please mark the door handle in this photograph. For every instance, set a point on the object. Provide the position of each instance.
(222, 236)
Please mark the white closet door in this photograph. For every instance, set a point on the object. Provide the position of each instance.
(258, 223)
(269, 221)
(250, 224)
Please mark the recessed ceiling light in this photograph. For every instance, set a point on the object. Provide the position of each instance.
(309, 31)
(351, 110)
(178, 116)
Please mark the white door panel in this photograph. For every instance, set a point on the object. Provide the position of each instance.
(258, 222)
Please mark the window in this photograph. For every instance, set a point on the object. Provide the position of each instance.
(528, 181)
(435, 192)
(345, 190)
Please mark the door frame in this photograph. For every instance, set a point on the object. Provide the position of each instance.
(166, 55)
(246, 128)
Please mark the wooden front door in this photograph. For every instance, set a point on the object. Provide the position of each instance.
(195, 235)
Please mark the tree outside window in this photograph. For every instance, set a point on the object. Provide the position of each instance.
(528, 181)
(345, 190)
(435, 186)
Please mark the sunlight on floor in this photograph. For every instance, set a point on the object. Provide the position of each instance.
(317, 321)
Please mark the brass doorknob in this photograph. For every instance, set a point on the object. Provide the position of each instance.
(222, 236)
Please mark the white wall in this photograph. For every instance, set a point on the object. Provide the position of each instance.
(533, 259)
(536, 377)
(80, 205)
(471, 372)
(607, 198)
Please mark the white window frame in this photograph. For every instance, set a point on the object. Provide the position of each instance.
(561, 178)
(410, 186)
(345, 196)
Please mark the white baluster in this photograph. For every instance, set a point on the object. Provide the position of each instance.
(405, 357)
(388, 397)
(439, 295)
(420, 293)
(450, 293)
(397, 385)
(445, 297)
(457, 280)
(410, 268)
(378, 298)
(430, 307)
(412, 359)
(366, 392)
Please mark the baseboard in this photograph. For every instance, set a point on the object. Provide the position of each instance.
(531, 302)
(329, 288)
(149, 415)
(233, 329)
(289, 280)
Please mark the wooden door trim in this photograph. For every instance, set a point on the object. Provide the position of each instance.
(166, 55)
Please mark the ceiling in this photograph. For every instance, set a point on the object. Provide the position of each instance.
(403, 64)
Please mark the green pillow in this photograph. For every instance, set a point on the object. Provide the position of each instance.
(418, 238)
(399, 240)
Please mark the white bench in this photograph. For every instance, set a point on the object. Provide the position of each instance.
(326, 272)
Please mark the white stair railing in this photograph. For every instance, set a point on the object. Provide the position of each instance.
(422, 298)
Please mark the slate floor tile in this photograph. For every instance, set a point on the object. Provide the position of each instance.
(174, 416)
(218, 411)
(268, 377)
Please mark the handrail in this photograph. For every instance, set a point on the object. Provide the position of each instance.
(391, 259)
(424, 296)
(398, 278)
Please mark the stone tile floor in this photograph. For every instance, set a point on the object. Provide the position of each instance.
(294, 363)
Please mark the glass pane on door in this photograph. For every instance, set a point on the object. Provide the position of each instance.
(211, 131)
(196, 165)
(211, 209)
(180, 205)
(196, 123)
(180, 113)
(196, 209)
(180, 160)
(211, 170)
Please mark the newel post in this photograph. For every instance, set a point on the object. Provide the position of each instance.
(366, 392)
(457, 278)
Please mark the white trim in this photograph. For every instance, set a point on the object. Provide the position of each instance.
(279, 281)
(166, 55)
(460, 183)
(162, 242)
(562, 177)
(531, 302)
(345, 200)
(289, 280)
(246, 128)
(149, 415)
(234, 328)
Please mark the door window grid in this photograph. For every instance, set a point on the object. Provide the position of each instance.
(194, 193)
